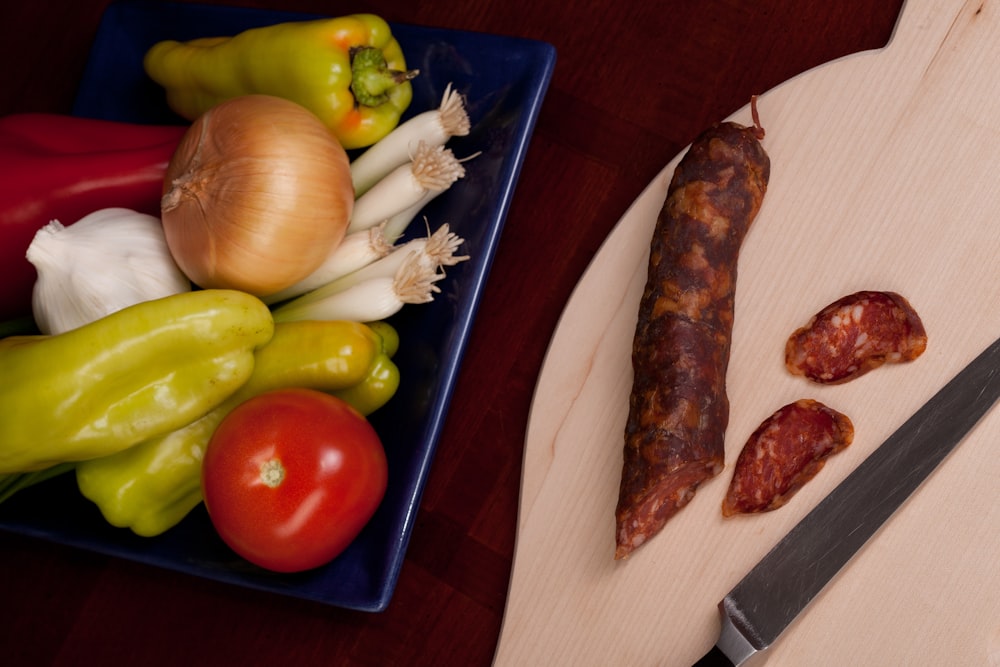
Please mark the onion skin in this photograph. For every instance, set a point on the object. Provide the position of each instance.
(256, 196)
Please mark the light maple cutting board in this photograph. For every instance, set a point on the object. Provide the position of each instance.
(886, 176)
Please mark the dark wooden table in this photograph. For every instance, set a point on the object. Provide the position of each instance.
(633, 84)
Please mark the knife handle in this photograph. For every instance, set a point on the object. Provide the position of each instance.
(714, 658)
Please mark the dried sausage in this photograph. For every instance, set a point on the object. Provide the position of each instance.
(678, 407)
(785, 452)
(855, 334)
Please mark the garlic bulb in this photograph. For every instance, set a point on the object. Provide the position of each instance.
(108, 260)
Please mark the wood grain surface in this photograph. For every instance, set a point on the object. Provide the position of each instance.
(861, 196)
(633, 84)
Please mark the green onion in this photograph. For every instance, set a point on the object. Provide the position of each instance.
(405, 275)
(357, 250)
(14, 482)
(375, 298)
(433, 128)
(433, 168)
(393, 227)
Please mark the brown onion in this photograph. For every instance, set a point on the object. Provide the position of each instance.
(256, 196)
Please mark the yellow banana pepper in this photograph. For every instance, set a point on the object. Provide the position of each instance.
(349, 71)
(135, 374)
(152, 486)
(378, 387)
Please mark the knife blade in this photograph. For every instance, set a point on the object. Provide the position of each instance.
(759, 608)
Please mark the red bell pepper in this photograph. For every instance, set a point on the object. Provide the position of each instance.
(58, 167)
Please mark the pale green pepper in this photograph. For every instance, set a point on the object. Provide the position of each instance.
(377, 388)
(349, 71)
(138, 373)
(152, 486)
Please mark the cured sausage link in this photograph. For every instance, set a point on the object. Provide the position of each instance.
(678, 408)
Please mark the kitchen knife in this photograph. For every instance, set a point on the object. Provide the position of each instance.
(759, 608)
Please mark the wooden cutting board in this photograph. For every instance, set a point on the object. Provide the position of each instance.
(886, 176)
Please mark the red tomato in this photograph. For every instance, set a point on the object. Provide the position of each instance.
(291, 477)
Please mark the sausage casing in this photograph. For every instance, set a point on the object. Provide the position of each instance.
(678, 407)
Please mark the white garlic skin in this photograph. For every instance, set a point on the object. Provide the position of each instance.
(108, 260)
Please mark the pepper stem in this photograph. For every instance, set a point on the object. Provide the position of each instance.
(371, 78)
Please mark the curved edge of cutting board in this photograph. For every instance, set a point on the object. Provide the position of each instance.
(588, 360)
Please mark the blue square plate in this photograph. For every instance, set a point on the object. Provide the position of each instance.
(504, 80)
